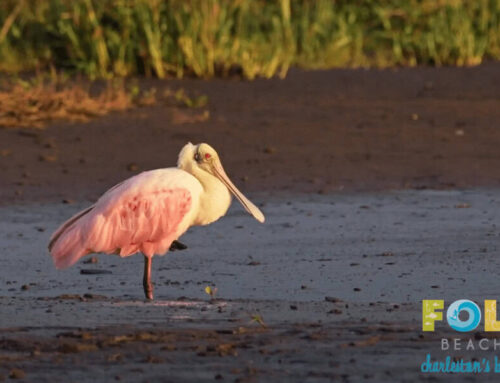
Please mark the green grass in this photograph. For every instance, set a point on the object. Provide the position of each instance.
(206, 38)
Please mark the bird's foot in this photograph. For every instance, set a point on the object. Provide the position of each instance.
(148, 291)
(176, 245)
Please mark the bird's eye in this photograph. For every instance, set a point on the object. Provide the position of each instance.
(197, 157)
(207, 156)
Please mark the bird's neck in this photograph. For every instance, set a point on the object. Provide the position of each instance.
(215, 199)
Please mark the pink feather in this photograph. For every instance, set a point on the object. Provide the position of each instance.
(142, 214)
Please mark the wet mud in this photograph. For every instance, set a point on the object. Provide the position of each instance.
(314, 132)
(329, 289)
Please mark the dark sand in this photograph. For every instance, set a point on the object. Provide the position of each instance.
(321, 131)
(335, 275)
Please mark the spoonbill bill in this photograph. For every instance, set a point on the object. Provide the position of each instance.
(147, 213)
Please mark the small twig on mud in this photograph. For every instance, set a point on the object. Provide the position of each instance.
(258, 318)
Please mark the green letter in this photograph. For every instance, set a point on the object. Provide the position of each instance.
(429, 315)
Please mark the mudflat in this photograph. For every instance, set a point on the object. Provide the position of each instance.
(320, 131)
(379, 188)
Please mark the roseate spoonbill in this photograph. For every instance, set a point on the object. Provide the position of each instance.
(148, 212)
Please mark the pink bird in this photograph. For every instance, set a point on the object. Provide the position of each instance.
(150, 211)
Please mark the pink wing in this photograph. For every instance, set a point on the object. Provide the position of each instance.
(146, 223)
(142, 214)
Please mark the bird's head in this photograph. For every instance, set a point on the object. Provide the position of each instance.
(204, 158)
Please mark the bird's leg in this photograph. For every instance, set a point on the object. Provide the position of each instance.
(176, 245)
(148, 286)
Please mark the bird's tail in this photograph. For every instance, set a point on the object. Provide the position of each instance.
(66, 245)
